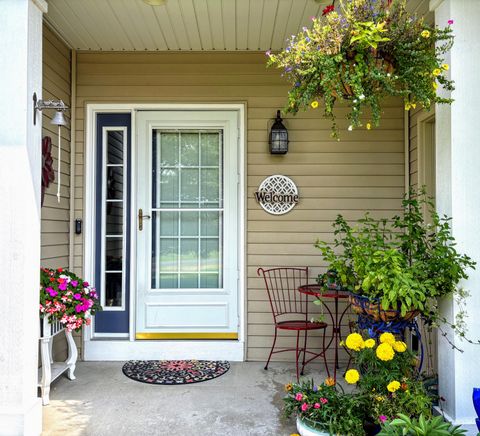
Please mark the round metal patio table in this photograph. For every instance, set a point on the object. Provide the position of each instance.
(335, 316)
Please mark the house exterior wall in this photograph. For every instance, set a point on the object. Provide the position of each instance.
(56, 216)
(364, 171)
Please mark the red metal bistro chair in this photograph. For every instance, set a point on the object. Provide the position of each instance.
(290, 308)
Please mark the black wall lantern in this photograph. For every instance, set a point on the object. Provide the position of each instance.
(278, 137)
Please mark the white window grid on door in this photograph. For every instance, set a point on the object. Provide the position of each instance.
(105, 201)
(199, 210)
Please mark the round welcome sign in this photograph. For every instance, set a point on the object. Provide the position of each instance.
(277, 194)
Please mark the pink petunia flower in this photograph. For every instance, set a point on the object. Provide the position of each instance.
(74, 283)
(382, 419)
(450, 22)
(299, 397)
(62, 286)
(304, 407)
(77, 296)
(323, 400)
(316, 406)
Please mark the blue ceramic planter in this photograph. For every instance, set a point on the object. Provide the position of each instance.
(476, 404)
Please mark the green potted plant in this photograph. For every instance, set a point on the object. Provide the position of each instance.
(324, 409)
(400, 267)
(362, 52)
(404, 426)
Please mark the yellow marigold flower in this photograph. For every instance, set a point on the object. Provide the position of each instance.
(437, 72)
(314, 104)
(393, 386)
(379, 398)
(354, 341)
(435, 85)
(385, 352)
(388, 338)
(369, 343)
(399, 346)
(445, 67)
(425, 34)
(368, 126)
(352, 376)
(329, 381)
(288, 387)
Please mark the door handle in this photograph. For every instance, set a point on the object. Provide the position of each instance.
(141, 217)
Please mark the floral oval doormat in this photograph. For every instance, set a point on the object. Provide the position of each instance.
(174, 372)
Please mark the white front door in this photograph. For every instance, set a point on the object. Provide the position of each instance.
(187, 225)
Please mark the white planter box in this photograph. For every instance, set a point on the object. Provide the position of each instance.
(304, 430)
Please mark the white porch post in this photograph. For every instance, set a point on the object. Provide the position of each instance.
(20, 164)
(458, 195)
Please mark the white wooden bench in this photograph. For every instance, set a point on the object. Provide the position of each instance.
(50, 370)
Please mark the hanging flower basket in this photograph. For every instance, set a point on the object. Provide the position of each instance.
(362, 52)
(373, 309)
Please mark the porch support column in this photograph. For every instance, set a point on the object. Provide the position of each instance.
(458, 195)
(20, 166)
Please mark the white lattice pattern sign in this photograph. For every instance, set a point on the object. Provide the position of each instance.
(277, 194)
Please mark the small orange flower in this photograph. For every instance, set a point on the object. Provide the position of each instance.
(330, 381)
(288, 387)
(404, 386)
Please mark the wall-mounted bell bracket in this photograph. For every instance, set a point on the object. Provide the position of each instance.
(58, 105)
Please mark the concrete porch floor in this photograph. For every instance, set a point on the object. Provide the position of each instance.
(247, 400)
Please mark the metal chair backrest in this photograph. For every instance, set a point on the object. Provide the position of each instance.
(282, 287)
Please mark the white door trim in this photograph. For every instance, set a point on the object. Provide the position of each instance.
(96, 349)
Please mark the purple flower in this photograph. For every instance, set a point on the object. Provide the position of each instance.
(307, 39)
(297, 84)
(79, 308)
(315, 388)
(51, 291)
(304, 29)
(450, 22)
(288, 69)
(382, 419)
(287, 49)
(77, 296)
(62, 286)
(74, 283)
(268, 53)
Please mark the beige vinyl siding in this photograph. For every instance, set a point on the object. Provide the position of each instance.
(364, 171)
(56, 216)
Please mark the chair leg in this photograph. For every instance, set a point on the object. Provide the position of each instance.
(297, 355)
(325, 354)
(304, 352)
(271, 351)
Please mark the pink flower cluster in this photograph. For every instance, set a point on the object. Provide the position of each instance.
(66, 298)
(306, 406)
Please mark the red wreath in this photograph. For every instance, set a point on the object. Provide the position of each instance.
(48, 174)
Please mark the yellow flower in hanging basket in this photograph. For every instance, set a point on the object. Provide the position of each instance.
(368, 126)
(425, 34)
(437, 72)
(314, 104)
(445, 67)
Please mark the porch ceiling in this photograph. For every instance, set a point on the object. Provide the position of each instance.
(195, 25)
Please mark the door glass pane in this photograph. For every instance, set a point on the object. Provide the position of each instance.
(114, 183)
(187, 174)
(114, 147)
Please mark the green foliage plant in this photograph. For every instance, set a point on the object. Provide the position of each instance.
(406, 262)
(360, 53)
(404, 426)
(326, 408)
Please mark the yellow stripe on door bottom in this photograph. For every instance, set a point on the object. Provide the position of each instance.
(230, 336)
